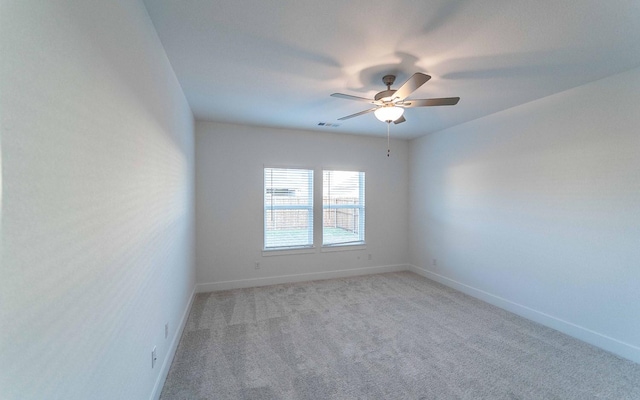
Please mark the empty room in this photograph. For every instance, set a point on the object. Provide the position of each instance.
(319, 200)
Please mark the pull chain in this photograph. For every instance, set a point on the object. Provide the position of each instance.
(388, 146)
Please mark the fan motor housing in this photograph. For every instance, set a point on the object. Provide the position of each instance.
(384, 93)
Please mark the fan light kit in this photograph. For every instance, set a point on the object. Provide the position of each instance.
(389, 113)
(390, 103)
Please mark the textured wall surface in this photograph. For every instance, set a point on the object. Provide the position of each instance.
(539, 206)
(97, 208)
(229, 200)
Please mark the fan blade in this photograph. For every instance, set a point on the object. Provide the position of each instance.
(445, 101)
(358, 114)
(418, 79)
(349, 97)
(399, 120)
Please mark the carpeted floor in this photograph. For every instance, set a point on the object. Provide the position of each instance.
(386, 336)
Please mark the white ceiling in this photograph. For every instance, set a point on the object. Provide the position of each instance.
(275, 62)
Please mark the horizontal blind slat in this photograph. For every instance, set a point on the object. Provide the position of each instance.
(343, 203)
(288, 208)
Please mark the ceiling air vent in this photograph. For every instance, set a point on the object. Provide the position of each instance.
(328, 125)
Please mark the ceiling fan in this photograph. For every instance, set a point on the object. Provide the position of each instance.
(390, 103)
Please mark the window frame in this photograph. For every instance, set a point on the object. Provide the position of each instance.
(294, 249)
(361, 207)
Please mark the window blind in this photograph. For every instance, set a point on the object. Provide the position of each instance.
(343, 203)
(288, 208)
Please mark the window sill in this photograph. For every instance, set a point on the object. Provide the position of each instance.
(343, 247)
(288, 252)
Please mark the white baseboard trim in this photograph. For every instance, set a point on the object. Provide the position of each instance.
(276, 280)
(171, 352)
(604, 342)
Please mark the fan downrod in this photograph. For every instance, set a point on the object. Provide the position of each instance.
(388, 80)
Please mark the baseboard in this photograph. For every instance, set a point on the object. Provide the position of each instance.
(604, 342)
(276, 280)
(164, 370)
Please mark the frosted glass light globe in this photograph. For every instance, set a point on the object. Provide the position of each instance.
(389, 113)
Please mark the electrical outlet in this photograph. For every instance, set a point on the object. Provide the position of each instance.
(166, 330)
(257, 265)
(434, 262)
(369, 257)
(154, 357)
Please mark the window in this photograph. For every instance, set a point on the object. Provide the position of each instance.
(288, 208)
(343, 208)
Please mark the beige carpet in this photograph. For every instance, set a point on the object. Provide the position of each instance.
(386, 336)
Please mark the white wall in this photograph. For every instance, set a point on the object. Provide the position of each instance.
(97, 207)
(229, 202)
(537, 209)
